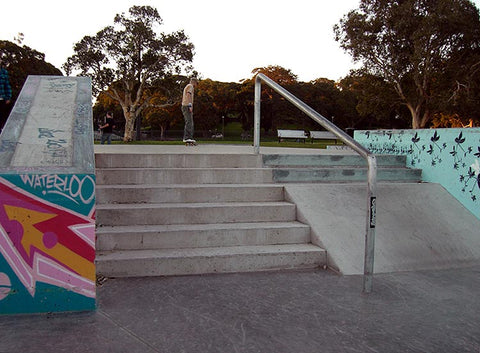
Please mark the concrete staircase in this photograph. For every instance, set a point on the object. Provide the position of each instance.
(337, 168)
(178, 214)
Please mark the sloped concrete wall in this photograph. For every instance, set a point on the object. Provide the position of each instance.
(418, 226)
(47, 199)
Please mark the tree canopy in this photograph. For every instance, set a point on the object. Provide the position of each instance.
(322, 94)
(130, 59)
(427, 51)
(22, 61)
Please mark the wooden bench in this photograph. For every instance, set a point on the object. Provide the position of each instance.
(292, 134)
(323, 135)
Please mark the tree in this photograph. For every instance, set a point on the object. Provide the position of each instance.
(104, 104)
(129, 60)
(424, 49)
(277, 73)
(274, 109)
(444, 121)
(162, 118)
(214, 101)
(321, 94)
(377, 103)
(160, 114)
(22, 61)
(245, 104)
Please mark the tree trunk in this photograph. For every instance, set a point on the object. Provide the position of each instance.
(129, 126)
(419, 121)
(425, 119)
(162, 133)
(415, 112)
(415, 121)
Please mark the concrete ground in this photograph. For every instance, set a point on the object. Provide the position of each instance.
(303, 311)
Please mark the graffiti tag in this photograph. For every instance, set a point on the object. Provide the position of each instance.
(55, 146)
(48, 133)
(76, 188)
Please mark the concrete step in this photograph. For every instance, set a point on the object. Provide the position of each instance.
(175, 160)
(167, 262)
(141, 176)
(309, 160)
(175, 193)
(200, 235)
(190, 213)
(344, 174)
(193, 213)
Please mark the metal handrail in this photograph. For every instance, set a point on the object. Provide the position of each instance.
(346, 139)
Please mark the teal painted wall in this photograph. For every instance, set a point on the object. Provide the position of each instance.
(450, 157)
(47, 242)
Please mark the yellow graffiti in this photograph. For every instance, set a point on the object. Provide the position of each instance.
(32, 237)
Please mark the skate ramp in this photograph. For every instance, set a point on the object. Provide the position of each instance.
(419, 226)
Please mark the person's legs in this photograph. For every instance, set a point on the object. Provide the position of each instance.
(109, 138)
(102, 139)
(190, 131)
(188, 117)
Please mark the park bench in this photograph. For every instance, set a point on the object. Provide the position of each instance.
(323, 135)
(292, 134)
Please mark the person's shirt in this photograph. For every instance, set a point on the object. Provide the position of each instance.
(5, 88)
(188, 95)
(109, 128)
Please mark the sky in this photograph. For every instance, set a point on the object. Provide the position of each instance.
(231, 38)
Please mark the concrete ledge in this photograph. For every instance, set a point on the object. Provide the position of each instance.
(47, 199)
(184, 176)
(193, 213)
(175, 160)
(201, 235)
(50, 127)
(171, 193)
(169, 262)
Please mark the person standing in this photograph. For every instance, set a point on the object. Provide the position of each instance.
(187, 109)
(107, 129)
(5, 94)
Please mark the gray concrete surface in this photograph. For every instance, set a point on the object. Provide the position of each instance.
(282, 312)
(418, 226)
(175, 171)
(50, 127)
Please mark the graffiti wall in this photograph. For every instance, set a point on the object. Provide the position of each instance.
(47, 199)
(449, 157)
(47, 239)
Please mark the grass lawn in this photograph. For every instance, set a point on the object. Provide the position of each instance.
(233, 131)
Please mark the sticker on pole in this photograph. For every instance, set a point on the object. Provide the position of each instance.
(373, 211)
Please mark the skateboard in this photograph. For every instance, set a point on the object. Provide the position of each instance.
(190, 143)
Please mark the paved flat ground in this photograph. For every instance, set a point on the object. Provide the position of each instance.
(305, 311)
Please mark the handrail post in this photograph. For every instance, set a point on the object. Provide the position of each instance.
(370, 224)
(256, 116)
(350, 142)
